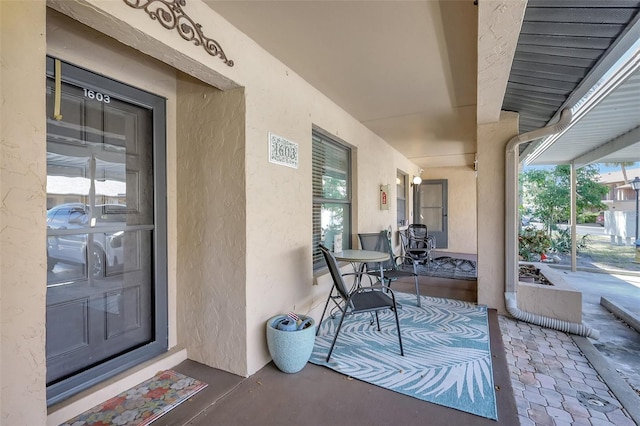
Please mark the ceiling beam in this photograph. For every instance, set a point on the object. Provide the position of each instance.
(623, 141)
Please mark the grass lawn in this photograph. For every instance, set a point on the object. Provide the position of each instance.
(600, 253)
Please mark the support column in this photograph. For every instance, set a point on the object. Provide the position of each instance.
(492, 141)
(574, 196)
(23, 170)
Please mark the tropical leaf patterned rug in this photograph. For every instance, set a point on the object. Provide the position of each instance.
(447, 354)
(143, 403)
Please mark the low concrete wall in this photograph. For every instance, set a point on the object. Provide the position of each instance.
(559, 300)
(620, 225)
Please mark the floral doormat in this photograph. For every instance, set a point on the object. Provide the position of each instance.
(142, 404)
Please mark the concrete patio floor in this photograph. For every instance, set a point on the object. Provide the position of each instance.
(547, 378)
(556, 379)
(320, 396)
(618, 342)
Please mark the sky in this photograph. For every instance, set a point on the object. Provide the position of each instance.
(601, 167)
(604, 168)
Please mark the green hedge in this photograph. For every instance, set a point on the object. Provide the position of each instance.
(587, 218)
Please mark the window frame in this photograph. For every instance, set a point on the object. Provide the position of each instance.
(402, 196)
(326, 138)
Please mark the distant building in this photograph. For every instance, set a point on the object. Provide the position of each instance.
(619, 219)
(620, 196)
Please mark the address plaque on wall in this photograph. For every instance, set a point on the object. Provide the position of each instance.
(282, 151)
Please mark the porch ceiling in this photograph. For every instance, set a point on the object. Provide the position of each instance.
(567, 49)
(409, 70)
(608, 133)
(405, 69)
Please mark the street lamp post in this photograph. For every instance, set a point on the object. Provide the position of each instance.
(635, 184)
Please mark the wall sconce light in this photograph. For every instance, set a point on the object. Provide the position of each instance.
(417, 180)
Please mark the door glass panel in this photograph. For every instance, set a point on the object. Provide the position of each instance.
(433, 219)
(100, 224)
(430, 209)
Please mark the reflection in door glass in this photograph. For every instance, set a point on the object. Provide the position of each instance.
(100, 197)
(430, 209)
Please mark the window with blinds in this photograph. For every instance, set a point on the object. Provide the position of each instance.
(401, 189)
(331, 176)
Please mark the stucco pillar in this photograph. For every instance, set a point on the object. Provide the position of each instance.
(212, 241)
(492, 141)
(499, 23)
(23, 169)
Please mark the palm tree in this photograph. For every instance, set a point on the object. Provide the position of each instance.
(623, 166)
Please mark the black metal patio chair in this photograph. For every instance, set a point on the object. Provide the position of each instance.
(418, 238)
(360, 300)
(417, 245)
(381, 241)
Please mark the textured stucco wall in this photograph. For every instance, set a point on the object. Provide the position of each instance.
(462, 189)
(211, 230)
(227, 301)
(492, 141)
(559, 300)
(278, 219)
(23, 260)
(279, 199)
(499, 23)
(279, 228)
(374, 171)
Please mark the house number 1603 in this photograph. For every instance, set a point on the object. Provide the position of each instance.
(100, 97)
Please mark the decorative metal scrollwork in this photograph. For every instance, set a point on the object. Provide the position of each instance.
(171, 16)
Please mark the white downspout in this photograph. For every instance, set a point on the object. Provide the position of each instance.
(511, 233)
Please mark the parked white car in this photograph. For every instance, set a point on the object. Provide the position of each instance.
(106, 249)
